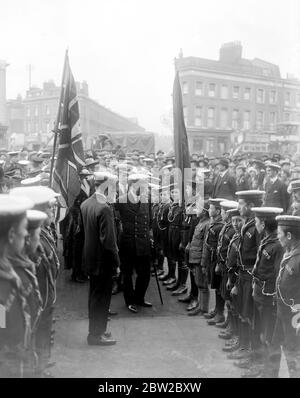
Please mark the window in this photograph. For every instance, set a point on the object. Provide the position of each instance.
(224, 91)
(29, 128)
(36, 111)
(28, 111)
(246, 120)
(259, 120)
(287, 98)
(260, 96)
(287, 117)
(211, 117)
(212, 90)
(298, 100)
(36, 127)
(235, 116)
(185, 88)
(224, 119)
(47, 127)
(247, 93)
(198, 144)
(273, 97)
(198, 116)
(199, 88)
(236, 92)
(47, 110)
(210, 145)
(185, 114)
(272, 120)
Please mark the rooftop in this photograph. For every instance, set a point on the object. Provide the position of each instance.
(231, 61)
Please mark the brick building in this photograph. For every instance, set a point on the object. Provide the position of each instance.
(235, 100)
(35, 115)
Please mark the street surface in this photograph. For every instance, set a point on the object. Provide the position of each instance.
(158, 342)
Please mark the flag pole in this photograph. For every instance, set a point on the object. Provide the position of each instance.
(57, 122)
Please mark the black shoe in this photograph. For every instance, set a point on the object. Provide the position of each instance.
(132, 308)
(164, 277)
(210, 315)
(100, 340)
(192, 305)
(179, 291)
(217, 319)
(169, 281)
(173, 287)
(195, 311)
(225, 336)
(222, 325)
(144, 304)
(116, 290)
(110, 312)
(186, 299)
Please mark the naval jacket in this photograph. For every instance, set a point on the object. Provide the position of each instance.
(248, 246)
(209, 257)
(225, 237)
(232, 254)
(136, 224)
(266, 267)
(288, 280)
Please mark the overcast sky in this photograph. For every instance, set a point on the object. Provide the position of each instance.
(124, 49)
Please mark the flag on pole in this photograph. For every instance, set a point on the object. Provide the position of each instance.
(70, 156)
(182, 155)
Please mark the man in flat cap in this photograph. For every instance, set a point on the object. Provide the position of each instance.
(276, 190)
(100, 257)
(295, 205)
(286, 333)
(242, 180)
(225, 184)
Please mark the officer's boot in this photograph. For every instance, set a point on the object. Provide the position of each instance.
(169, 278)
(204, 297)
(219, 317)
(160, 263)
(183, 272)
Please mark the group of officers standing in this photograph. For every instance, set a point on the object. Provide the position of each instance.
(242, 243)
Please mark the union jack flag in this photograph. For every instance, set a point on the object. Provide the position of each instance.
(70, 156)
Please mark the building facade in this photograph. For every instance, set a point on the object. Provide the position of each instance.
(234, 100)
(35, 115)
(3, 108)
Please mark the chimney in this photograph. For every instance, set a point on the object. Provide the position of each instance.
(231, 53)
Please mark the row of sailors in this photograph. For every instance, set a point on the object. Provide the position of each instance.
(29, 267)
(250, 256)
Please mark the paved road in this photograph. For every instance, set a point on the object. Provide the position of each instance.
(158, 342)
